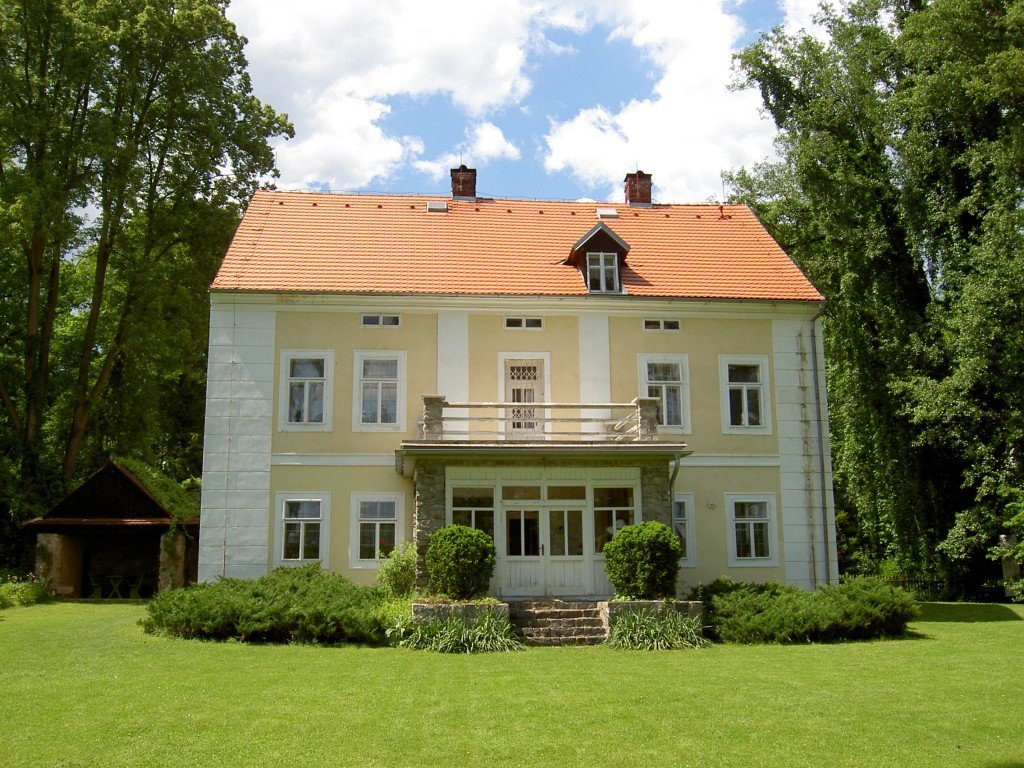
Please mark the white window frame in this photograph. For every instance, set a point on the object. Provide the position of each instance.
(603, 264)
(353, 533)
(684, 399)
(658, 324)
(690, 561)
(522, 326)
(284, 365)
(380, 320)
(765, 428)
(281, 498)
(772, 560)
(357, 390)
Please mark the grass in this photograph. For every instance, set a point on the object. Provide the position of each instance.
(81, 685)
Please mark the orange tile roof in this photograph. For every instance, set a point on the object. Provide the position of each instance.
(382, 244)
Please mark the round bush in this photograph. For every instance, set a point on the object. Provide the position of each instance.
(460, 561)
(642, 561)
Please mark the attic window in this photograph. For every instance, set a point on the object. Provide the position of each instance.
(603, 272)
(524, 322)
(381, 321)
(607, 213)
(437, 206)
(661, 325)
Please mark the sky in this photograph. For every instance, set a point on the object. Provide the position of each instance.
(554, 100)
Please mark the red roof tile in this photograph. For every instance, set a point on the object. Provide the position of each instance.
(344, 243)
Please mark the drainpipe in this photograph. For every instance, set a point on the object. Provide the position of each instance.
(675, 471)
(821, 444)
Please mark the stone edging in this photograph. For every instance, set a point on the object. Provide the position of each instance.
(424, 612)
(612, 608)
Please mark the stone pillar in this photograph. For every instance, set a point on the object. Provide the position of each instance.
(59, 563)
(656, 494)
(172, 560)
(433, 417)
(428, 515)
(647, 409)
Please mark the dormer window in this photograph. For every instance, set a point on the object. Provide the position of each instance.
(603, 272)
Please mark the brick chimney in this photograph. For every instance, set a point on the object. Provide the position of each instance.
(464, 182)
(638, 188)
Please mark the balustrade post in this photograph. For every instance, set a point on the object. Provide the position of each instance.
(433, 417)
(647, 416)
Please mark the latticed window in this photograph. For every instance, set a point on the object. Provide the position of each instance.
(379, 386)
(306, 386)
(523, 381)
(301, 526)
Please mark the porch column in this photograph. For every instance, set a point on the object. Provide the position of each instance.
(428, 515)
(656, 496)
(59, 563)
(172, 560)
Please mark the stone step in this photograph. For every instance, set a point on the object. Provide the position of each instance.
(558, 641)
(559, 613)
(532, 605)
(579, 621)
(531, 632)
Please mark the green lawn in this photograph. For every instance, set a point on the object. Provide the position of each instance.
(81, 685)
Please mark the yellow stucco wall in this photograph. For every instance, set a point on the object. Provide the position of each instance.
(344, 333)
(340, 483)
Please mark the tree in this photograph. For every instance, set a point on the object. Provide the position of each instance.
(898, 190)
(129, 138)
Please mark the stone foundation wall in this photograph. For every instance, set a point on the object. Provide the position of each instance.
(423, 612)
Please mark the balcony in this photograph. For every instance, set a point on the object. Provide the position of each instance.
(572, 431)
(539, 422)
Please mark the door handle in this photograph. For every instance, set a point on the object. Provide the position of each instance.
(542, 550)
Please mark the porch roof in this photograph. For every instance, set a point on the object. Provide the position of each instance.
(413, 450)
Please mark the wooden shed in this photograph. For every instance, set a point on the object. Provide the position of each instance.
(114, 537)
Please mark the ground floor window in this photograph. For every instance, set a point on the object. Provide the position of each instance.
(302, 528)
(752, 529)
(376, 527)
(474, 508)
(683, 524)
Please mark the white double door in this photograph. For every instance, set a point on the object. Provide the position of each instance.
(544, 550)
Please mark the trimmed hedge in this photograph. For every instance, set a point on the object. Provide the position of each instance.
(460, 561)
(642, 561)
(860, 608)
(304, 605)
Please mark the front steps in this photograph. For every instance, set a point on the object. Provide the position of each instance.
(557, 622)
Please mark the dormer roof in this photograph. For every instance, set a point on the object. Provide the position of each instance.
(328, 243)
(594, 237)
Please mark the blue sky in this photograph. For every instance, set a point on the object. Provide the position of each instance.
(546, 99)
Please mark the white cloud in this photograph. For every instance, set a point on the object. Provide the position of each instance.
(484, 142)
(799, 17)
(690, 129)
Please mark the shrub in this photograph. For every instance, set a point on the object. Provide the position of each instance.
(490, 632)
(23, 590)
(858, 609)
(460, 561)
(656, 630)
(642, 561)
(396, 573)
(303, 605)
(706, 594)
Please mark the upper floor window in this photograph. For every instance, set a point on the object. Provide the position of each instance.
(379, 388)
(603, 272)
(665, 377)
(382, 321)
(745, 406)
(306, 389)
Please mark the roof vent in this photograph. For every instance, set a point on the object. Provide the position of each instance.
(437, 206)
(607, 213)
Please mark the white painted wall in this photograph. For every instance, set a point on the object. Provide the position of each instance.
(453, 366)
(800, 508)
(595, 366)
(234, 525)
